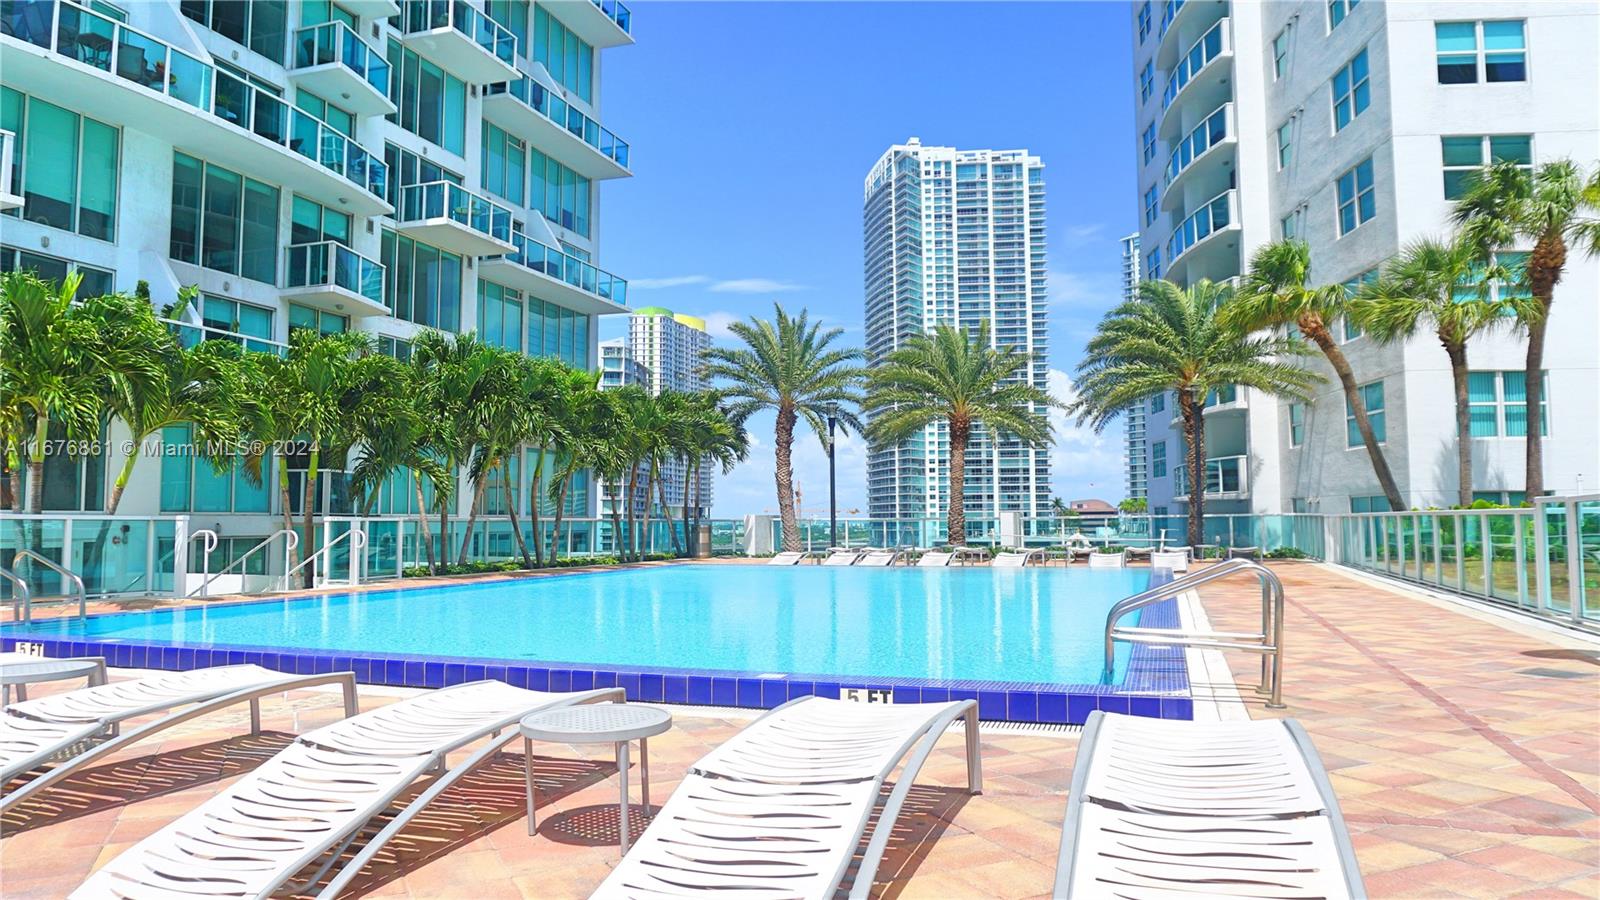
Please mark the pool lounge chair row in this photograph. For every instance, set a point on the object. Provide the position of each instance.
(780, 809)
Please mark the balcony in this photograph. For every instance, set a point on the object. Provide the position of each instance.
(119, 75)
(1194, 154)
(330, 276)
(9, 196)
(1202, 69)
(1227, 478)
(601, 23)
(333, 61)
(1221, 401)
(372, 9)
(457, 36)
(558, 277)
(1181, 21)
(1215, 216)
(451, 217)
(526, 107)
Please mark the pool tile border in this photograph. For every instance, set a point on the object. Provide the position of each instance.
(1156, 683)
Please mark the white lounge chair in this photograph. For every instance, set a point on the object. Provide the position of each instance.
(1098, 560)
(935, 559)
(876, 557)
(1010, 560)
(786, 558)
(1236, 809)
(89, 720)
(1176, 560)
(781, 808)
(843, 556)
(312, 800)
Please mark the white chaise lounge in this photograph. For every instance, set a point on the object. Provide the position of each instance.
(843, 556)
(1236, 809)
(1099, 560)
(1010, 560)
(786, 558)
(310, 802)
(935, 559)
(877, 557)
(90, 720)
(781, 808)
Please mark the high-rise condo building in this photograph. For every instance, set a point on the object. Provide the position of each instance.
(669, 349)
(956, 237)
(1352, 126)
(358, 165)
(1135, 453)
(618, 368)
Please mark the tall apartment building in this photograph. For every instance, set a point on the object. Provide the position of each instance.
(1135, 453)
(1352, 126)
(618, 368)
(956, 237)
(362, 165)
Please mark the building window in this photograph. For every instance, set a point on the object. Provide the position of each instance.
(505, 165)
(190, 483)
(407, 168)
(1352, 93)
(222, 220)
(1358, 201)
(1467, 154)
(430, 102)
(1149, 142)
(95, 282)
(500, 316)
(1289, 225)
(64, 166)
(1150, 206)
(557, 332)
(229, 320)
(395, 347)
(310, 222)
(1285, 144)
(317, 321)
(1498, 404)
(1338, 10)
(1152, 264)
(1144, 21)
(1158, 403)
(316, 12)
(338, 118)
(1158, 459)
(1372, 504)
(1297, 424)
(1147, 81)
(1351, 289)
(513, 14)
(1372, 397)
(560, 193)
(565, 56)
(424, 282)
(1280, 54)
(1470, 52)
(261, 25)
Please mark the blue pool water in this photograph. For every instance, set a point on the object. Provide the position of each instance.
(1015, 625)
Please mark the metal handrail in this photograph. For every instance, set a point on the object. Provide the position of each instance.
(358, 543)
(21, 596)
(205, 557)
(291, 540)
(71, 576)
(1268, 642)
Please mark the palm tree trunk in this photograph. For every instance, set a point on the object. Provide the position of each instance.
(288, 510)
(1195, 435)
(511, 511)
(14, 471)
(652, 479)
(1319, 335)
(533, 509)
(1545, 264)
(783, 441)
(690, 539)
(560, 502)
(1457, 351)
(956, 508)
(422, 517)
(121, 482)
(633, 533)
(479, 485)
(666, 515)
(41, 436)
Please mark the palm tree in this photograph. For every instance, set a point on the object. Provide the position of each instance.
(1276, 292)
(1431, 284)
(1177, 339)
(787, 366)
(398, 442)
(584, 422)
(714, 437)
(1551, 207)
(451, 369)
(961, 379)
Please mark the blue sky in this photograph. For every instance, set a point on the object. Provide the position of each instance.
(752, 126)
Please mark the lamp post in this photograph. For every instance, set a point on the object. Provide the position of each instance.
(833, 506)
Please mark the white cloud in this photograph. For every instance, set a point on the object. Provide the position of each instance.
(671, 281)
(1083, 464)
(717, 323)
(755, 286)
(1077, 235)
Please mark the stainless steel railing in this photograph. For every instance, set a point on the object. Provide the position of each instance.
(71, 577)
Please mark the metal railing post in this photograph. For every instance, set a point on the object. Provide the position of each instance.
(205, 560)
(21, 597)
(70, 578)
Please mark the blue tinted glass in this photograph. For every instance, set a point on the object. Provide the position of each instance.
(1455, 36)
(1502, 36)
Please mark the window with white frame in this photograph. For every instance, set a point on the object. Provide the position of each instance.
(1338, 10)
(1149, 142)
(1280, 54)
(1285, 135)
(1158, 403)
(1358, 199)
(1372, 399)
(1465, 154)
(1147, 81)
(1150, 205)
(1470, 52)
(1352, 92)
(1297, 424)
(1158, 459)
(1497, 404)
(1287, 226)
(1351, 288)
(1144, 21)
(1152, 264)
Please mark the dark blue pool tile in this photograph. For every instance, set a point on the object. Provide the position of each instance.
(774, 692)
(1052, 707)
(582, 680)
(605, 679)
(992, 705)
(961, 693)
(322, 665)
(1022, 706)
(802, 689)
(724, 691)
(413, 674)
(538, 679)
(454, 673)
(433, 674)
(169, 658)
(1078, 708)
(629, 682)
(363, 669)
(827, 689)
(675, 689)
(1113, 704)
(472, 672)
(749, 695)
(650, 690)
(700, 690)
(560, 680)
(935, 695)
(494, 673)
(1145, 706)
(1177, 708)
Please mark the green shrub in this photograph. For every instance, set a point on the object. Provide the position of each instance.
(1287, 553)
(1111, 548)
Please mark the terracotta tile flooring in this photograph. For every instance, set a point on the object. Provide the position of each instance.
(1460, 774)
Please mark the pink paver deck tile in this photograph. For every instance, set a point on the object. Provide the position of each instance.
(1459, 775)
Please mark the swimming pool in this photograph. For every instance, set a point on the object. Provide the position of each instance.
(904, 628)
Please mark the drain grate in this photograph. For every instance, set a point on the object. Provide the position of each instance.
(1555, 673)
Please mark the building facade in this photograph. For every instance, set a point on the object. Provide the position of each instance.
(618, 368)
(375, 166)
(1134, 444)
(956, 237)
(1351, 126)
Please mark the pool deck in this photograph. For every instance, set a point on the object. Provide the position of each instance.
(1464, 751)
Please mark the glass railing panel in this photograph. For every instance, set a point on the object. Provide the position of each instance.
(1215, 215)
(1210, 132)
(1169, 11)
(536, 97)
(332, 42)
(1588, 549)
(1199, 55)
(332, 263)
(1502, 556)
(1552, 519)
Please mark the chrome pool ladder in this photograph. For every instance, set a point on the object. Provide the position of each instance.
(23, 597)
(1268, 641)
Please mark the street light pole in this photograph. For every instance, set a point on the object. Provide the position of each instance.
(833, 507)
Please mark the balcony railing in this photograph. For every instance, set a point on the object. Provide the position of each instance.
(427, 15)
(536, 97)
(1169, 12)
(1216, 128)
(110, 46)
(9, 189)
(617, 13)
(445, 200)
(1224, 475)
(568, 268)
(334, 42)
(330, 263)
(1215, 215)
(190, 334)
(1210, 45)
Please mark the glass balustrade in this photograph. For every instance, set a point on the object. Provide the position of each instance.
(1169, 11)
(1200, 54)
(570, 269)
(617, 13)
(536, 97)
(189, 335)
(332, 263)
(242, 104)
(494, 38)
(1224, 475)
(1215, 215)
(334, 42)
(446, 200)
(1212, 131)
